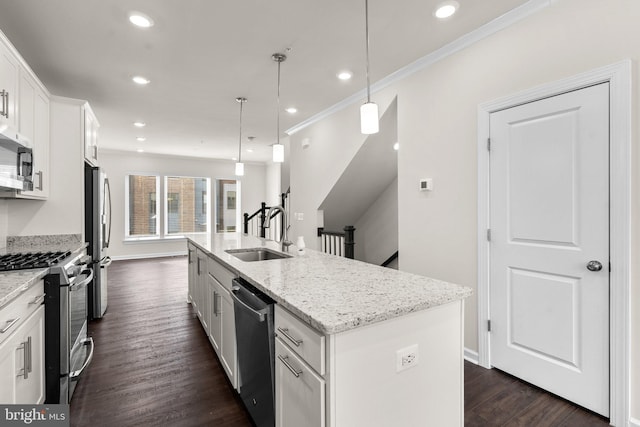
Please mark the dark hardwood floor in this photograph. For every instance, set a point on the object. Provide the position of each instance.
(154, 366)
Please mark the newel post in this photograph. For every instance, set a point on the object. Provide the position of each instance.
(246, 223)
(349, 241)
(263, 212)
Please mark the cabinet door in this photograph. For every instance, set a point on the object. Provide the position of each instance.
(30, 386)
(300, 392)
(90, 137)
(34, 124)
(191, 258)
(228, 351)
(8, 355)
(215, 323)
(9, 72)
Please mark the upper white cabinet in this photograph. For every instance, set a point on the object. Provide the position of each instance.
(91, 126)
(35, 125)
(9, 75)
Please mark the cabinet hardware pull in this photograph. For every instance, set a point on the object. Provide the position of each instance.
(285, 332)
(28, 366)
(38, 300)
(6, 111)
(199, 272)
(9, 324)
(2, 94)
(190, 260)
(215, 307)
(40, 184)
(293, 370)
(95, 152)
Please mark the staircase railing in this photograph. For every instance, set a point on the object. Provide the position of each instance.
(390, 260)
(253, 224)
(340, 243)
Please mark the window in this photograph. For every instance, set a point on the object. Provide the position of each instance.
(142, 206)
(185, 205)
(226, 212)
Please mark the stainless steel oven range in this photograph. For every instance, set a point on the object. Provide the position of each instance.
(68, 349)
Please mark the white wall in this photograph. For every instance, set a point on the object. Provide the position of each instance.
(437, 131)
(377, 230)
(272, 185)
(119, 164)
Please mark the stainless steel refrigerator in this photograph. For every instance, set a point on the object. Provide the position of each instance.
(97, 220)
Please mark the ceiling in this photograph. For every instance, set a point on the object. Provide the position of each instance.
(201, 54)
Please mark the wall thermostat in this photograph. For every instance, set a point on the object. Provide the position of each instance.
(426, 184)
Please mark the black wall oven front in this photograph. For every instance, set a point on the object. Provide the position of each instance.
(68, 349)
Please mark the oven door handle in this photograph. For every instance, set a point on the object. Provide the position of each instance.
(73, 376)
(75, 286)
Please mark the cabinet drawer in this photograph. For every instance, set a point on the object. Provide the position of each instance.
(300, 392)
(220, 273)
(20, 308)
(301, 338)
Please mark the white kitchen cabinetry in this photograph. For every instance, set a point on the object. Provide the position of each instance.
(9, 75)
(300, 364)
(22, 348)
(91, 126)
(192, 269)
(222, 332)
(201, 305)
(34, 124)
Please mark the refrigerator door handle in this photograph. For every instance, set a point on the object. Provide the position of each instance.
(107, 201)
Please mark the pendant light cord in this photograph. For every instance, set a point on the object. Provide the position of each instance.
(366, 27)
(241, 101)
(278, 104)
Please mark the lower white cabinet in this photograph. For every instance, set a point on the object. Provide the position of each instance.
(192, 269)
(22, 362)
(300, 392)
(222, 330)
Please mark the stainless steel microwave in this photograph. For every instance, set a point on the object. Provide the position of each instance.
(16, 160)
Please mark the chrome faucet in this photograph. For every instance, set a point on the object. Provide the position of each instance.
(284, 239)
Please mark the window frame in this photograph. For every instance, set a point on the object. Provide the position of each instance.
(165, 206)
(127, 210)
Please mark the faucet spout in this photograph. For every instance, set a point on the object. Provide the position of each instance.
(284, 235)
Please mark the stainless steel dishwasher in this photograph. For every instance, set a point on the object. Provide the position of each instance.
(255, 343)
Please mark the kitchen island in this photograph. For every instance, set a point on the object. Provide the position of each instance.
(386, 345)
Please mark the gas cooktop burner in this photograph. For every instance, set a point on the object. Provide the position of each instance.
(26, 260)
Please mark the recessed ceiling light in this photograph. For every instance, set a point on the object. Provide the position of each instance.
(291, 110)
(249, 150)
(141, 139)
(139, 124)
(446, 9)
(234, 158)
(345, 75)
(141, 80)
(140, 150)
(140, 20)
(396, 146)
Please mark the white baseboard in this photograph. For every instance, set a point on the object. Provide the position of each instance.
(153, 255)
(634, 422)
(471, 356)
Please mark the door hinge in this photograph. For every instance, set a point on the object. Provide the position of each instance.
(489, 325)
(488, 144)
(488, 234)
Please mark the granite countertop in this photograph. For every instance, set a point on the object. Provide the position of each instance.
(14, 283)
(332, 294)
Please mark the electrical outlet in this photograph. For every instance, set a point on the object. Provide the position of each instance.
(406, 358)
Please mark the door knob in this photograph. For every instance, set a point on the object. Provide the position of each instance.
(594, 266)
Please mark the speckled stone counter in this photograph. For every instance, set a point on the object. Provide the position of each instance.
(332, 294)
(13, 283)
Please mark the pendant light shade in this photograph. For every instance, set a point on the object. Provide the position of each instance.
(278, 153)
(278, 149)
(369, 118)
(239, 164)
(239, 169)
(368, 110)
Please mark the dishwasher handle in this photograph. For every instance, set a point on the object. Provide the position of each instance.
(260, 314)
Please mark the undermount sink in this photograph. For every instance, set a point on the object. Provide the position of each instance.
(256, 254)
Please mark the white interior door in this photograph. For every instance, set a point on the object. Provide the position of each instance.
(549, 216)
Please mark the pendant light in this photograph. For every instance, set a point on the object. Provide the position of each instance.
(239, 164)
(368, 110)
(278, 149)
